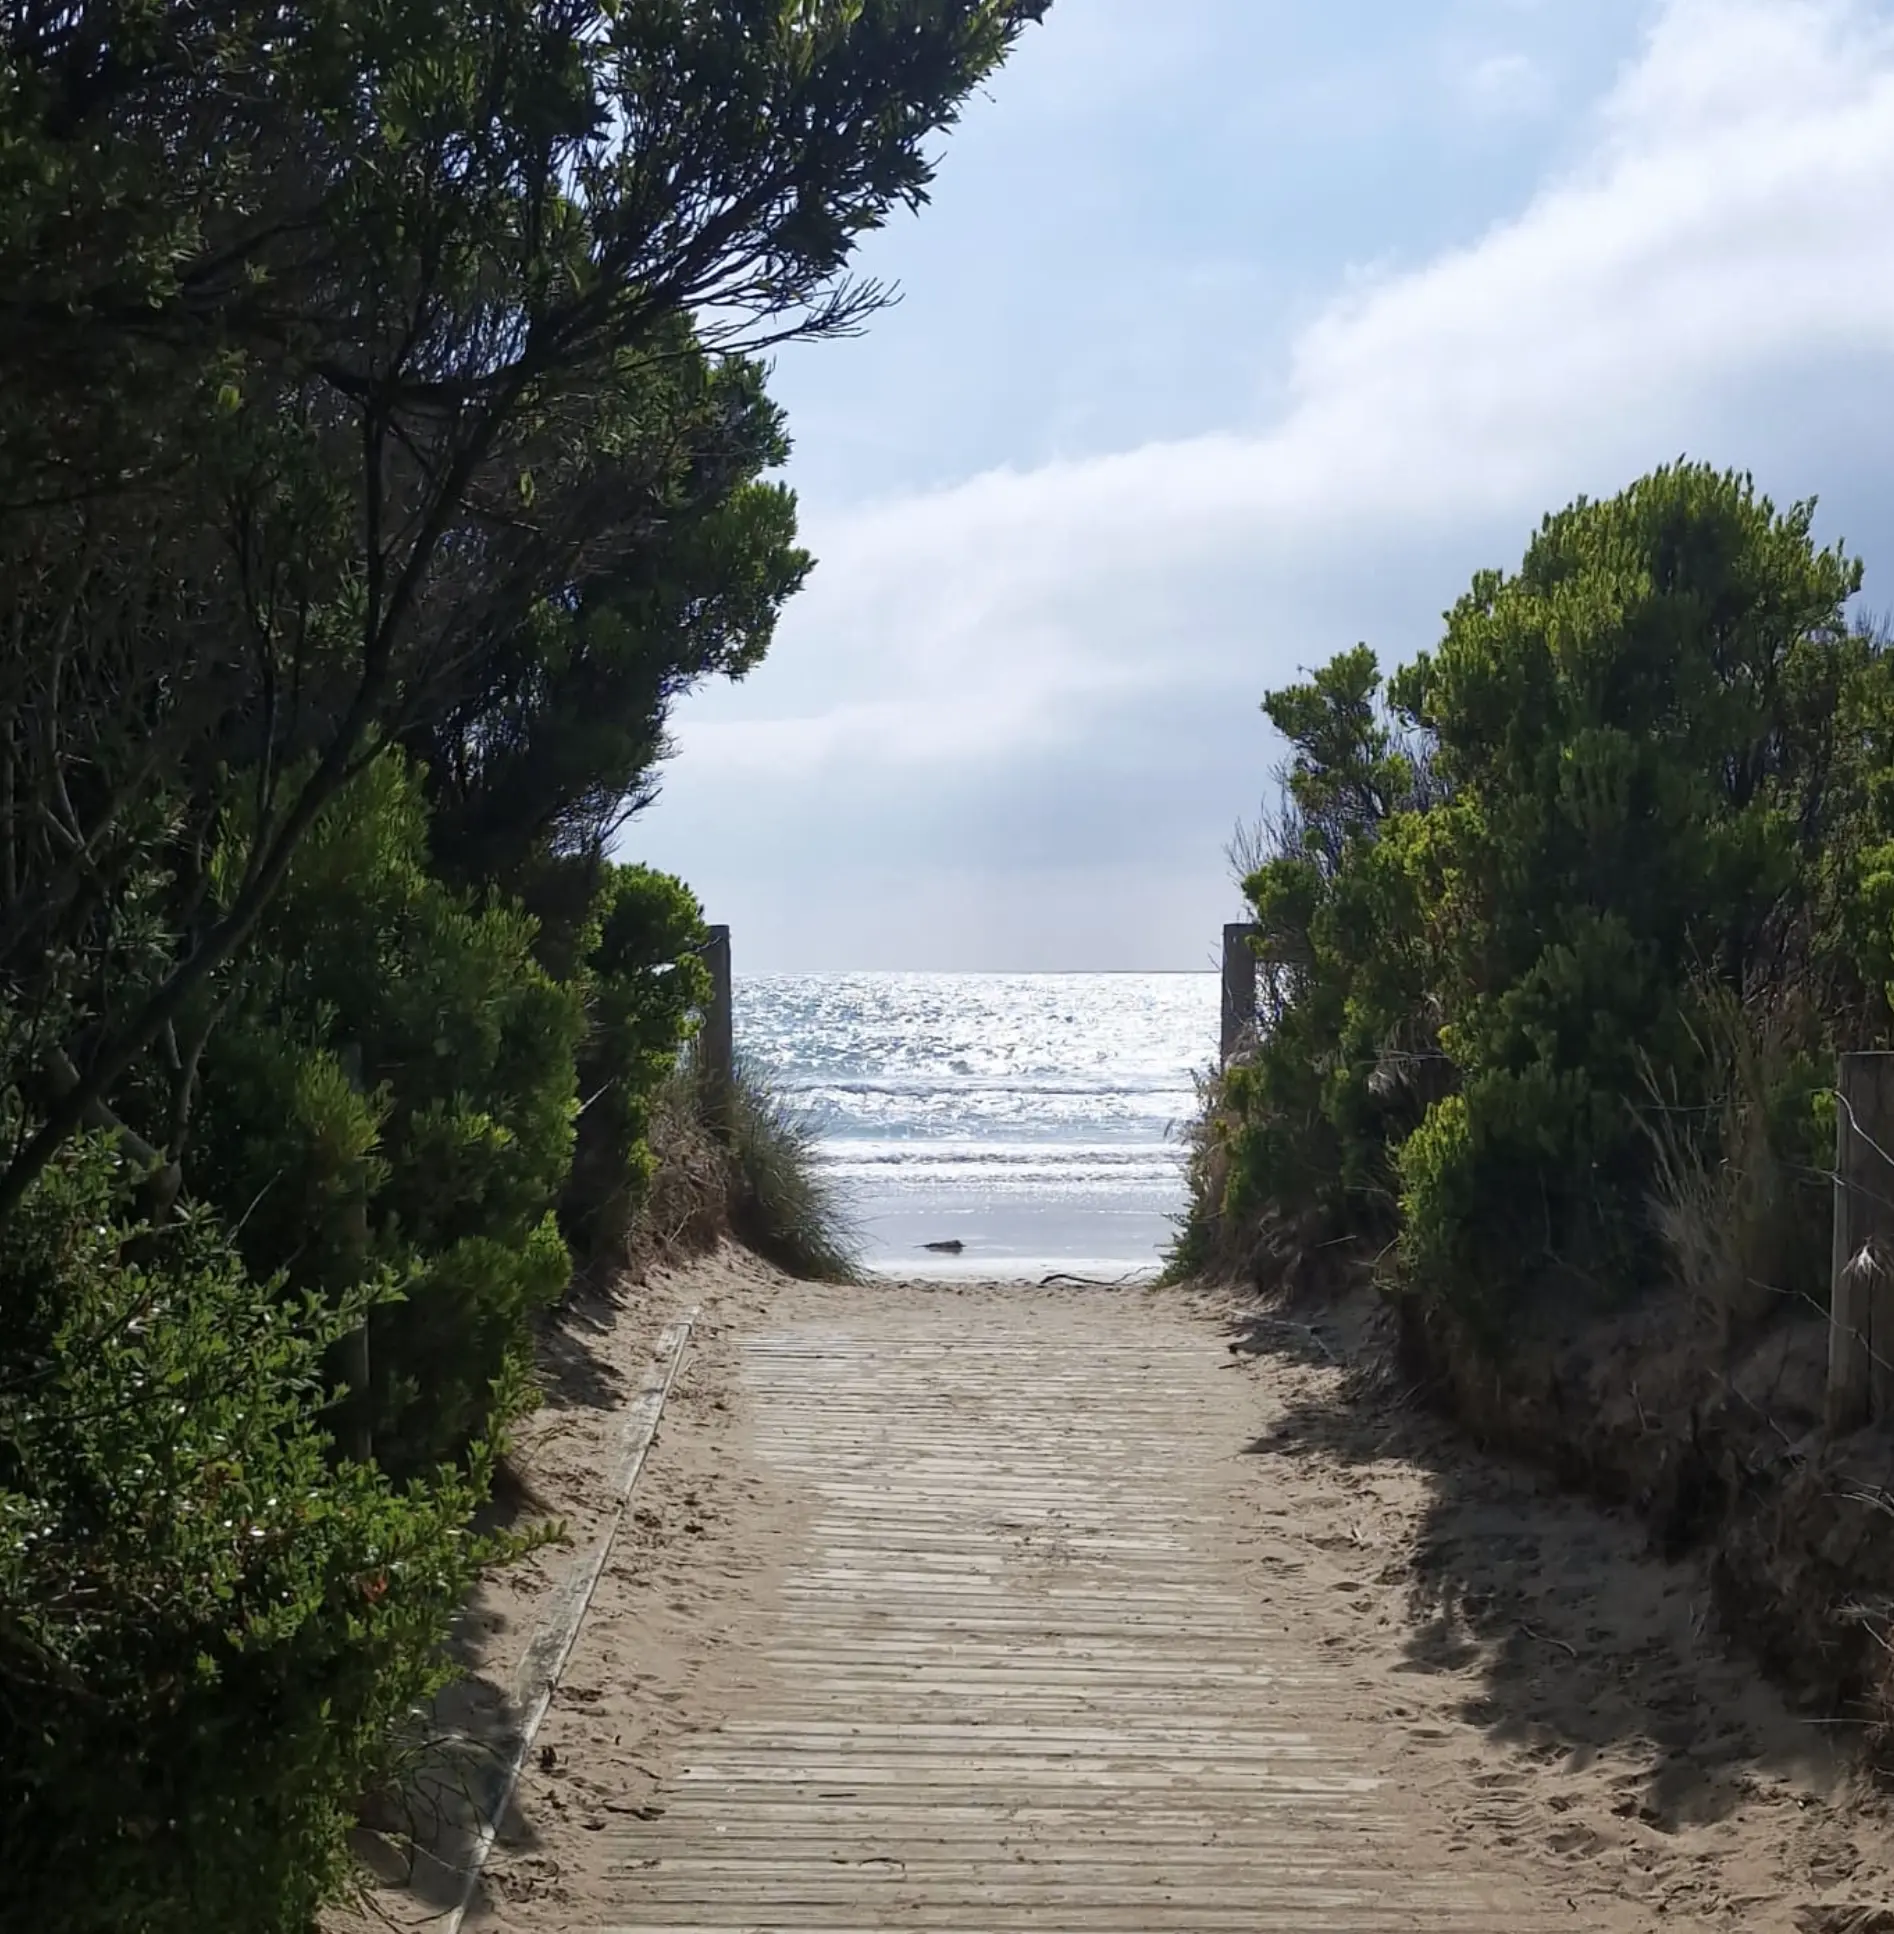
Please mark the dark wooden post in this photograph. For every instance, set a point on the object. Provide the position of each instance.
(1239, 989)
(720, 1049)
(1861, 1312)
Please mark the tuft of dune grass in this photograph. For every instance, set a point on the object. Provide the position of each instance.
(782, 1203)
(743, 1164)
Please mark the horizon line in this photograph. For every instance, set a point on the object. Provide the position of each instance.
(990, 973)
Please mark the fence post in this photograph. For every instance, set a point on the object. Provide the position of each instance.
(1239, 989)
(720, 1052)
(1861, 1309)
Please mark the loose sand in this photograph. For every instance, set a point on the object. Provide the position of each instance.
(985, 1608)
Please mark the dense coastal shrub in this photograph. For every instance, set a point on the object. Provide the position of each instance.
(1639, 778)
(211, 1631)
(644, 980)
(392, 365)
(386, 449)
(1294, 1147)
(392, 1093)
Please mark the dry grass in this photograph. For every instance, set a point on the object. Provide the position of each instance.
(782, 1204)
(1264, 1247)
(1201, 1249)
(686, 1209)
(742, 1165)
(1729, 1203)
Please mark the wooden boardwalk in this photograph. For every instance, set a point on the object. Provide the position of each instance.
(1016, 1680)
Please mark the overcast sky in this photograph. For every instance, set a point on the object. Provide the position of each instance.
(1238, 331)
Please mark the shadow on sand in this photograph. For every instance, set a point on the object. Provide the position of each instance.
(420, 1837)
(1575, 1637)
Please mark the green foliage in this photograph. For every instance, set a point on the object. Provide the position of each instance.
(781, 1204)
(1299, 1130)
(387, 376)
(646, 980)
(551, 743)
(210, 1630)
(1641, 775)
(386, 451)
(438, 1155)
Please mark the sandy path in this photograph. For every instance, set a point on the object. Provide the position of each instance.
(984, 1610)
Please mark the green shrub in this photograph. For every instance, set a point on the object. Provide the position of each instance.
(211, 1632)
(1645, 772)
(644, 980)
(1295, 1142)
(1637, 729)
(437, 1155)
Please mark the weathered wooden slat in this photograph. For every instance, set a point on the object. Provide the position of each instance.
(1013, 1687)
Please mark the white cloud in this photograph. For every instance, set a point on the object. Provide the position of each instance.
(1709, 67)
(1731, 229)
(1740, 211)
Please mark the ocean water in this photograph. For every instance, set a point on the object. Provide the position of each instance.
(1034, 1118)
